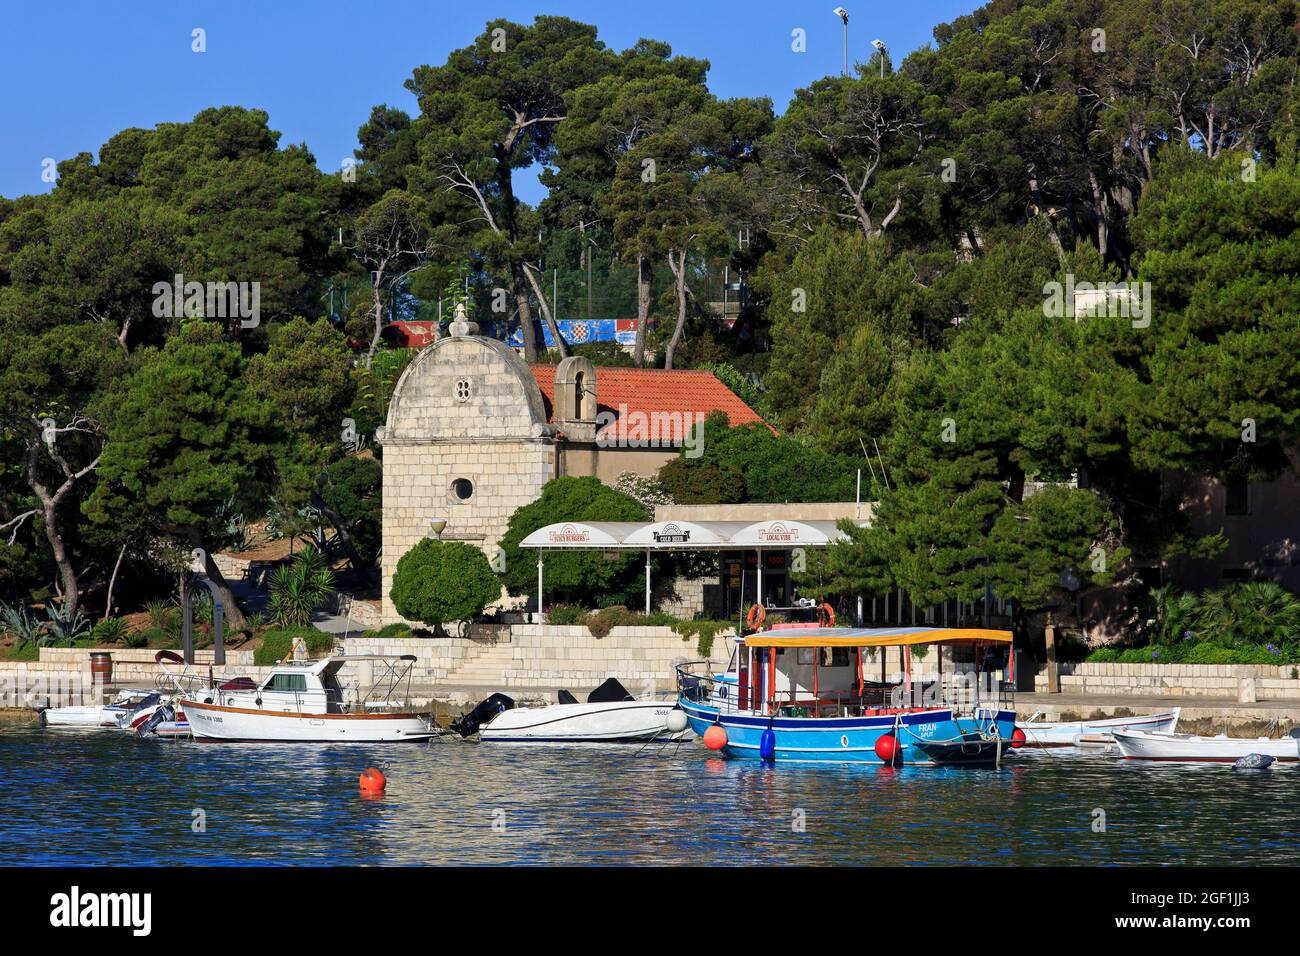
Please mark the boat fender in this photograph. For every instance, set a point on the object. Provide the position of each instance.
(715, 738)
(1018, 738)
(767, 745)
(754, 619)
(675, 722)
(887, 748)
(1255, 762)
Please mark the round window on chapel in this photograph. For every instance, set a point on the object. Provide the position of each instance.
(462, 488)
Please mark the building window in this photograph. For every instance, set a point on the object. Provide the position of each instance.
(462, 488)
(1236, 498)
(462, 390)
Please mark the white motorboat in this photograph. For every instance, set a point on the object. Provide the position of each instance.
(303, 701)
(1139, 745)
(93, 715)
(610, 715)
(1066, 733)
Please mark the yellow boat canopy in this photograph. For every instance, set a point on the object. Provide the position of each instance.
(874, 636)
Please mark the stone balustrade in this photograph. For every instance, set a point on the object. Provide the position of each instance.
(1260, 681)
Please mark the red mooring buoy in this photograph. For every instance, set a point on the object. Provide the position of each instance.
(372, 781)
(887, 747)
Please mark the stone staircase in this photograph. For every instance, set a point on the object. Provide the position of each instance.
(486, 669)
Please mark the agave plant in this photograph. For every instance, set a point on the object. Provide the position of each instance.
(17, 621)
(63, 627)
(299, 588)
(1251, 614)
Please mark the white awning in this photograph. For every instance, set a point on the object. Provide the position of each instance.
(776, 534)
(682, 534)
(779, 533)
(581, 534)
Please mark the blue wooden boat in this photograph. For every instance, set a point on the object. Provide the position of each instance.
(799, 692)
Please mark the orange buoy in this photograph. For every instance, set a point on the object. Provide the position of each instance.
(715, 738)
(1018, 738)
(372, 781)
(887, 747)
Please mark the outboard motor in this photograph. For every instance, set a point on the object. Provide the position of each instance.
(163, 714)
(468, 725)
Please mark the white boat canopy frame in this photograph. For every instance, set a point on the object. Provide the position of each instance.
(775, 534)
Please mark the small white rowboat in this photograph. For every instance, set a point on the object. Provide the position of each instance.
(1066, 733)
(1190, 747)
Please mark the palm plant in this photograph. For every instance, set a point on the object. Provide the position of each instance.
(1251, 614)
(299, 588)
(1166, 616)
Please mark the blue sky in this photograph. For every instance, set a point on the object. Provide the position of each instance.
(74, 72)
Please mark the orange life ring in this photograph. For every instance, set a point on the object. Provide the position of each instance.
(826, 615)
(754, 619)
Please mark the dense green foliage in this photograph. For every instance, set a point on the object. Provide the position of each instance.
(1253, 622)
(897, 230)
(588, 578)
(441, 581)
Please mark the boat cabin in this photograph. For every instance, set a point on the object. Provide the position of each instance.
(319, 687)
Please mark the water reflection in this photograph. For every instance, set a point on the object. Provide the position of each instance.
(104, 798)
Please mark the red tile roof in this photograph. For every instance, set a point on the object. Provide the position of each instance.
(678, 396)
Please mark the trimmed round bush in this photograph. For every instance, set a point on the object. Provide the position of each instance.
(440, 581)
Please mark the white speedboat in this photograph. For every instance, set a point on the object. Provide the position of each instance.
(93, 715)
(1066, 733)
(303, 701)
(610, 716)
(1137, 745)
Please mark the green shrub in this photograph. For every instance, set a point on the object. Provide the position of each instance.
(111, 630)
(391, 630)
(566, 614)
(601, 622)
(440, 581)
(276, 645)
(143, 637)
(160, 612)
(1103, 655)
(704, 631)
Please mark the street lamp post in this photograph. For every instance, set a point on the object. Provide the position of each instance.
(844, 17)
(881, 53)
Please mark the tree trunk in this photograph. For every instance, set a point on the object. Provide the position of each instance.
(678, 265)
(376, 337)
(343, 529)
(67, 575)
(112, 580)
(525, 314)
(644, 275)
(547, 317)
(234, 616)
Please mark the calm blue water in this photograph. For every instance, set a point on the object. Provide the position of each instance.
(100, 797)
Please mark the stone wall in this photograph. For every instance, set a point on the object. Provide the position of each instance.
(1255, 681)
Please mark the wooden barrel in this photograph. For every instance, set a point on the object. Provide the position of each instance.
(101, 667)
